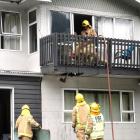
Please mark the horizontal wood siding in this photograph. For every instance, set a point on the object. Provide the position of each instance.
(27, 90)
(97, 5)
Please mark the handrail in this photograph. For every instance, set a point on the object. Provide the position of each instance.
(77, 50)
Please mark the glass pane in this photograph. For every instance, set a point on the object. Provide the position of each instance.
(67, 117)
(128, 117)
(103, 100)
(11, 23)
(60, 22)
(127, 99)
(33, 38)
(105, 26)
(89, 95)
(69, 99)
(102, 97)
(32, 16)
(10, 42)
(123, 28)
(116, 106)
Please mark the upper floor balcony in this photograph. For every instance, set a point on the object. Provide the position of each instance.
(65, 53)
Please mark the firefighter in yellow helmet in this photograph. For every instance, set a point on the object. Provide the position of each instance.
(95, 123)
(79, 116)
(88, 47)
(87, 29)
(24, 124)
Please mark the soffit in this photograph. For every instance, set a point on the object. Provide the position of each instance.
(132, 3)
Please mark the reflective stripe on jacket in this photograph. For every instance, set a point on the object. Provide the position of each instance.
(98, 126)
(25, 124)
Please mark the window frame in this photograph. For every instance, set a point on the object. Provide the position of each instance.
(127, 111)
(98, 14)
(121, 104)
(29, 25)
(4, 34)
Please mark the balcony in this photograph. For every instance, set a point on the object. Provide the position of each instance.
(65, 53)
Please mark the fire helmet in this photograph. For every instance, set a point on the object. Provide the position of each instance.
(85, 23)
(25, 107)
(94, 107)
(79, 98)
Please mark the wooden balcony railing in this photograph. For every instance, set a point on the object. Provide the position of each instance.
(76, 50)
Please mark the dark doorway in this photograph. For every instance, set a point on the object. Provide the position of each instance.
(78, 18)
(5, 110)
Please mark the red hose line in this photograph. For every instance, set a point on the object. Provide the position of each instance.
(109, 89)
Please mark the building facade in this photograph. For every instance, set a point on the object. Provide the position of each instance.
(41, 66)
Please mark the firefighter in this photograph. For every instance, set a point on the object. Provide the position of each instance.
(95, 123)
(24, 124)
(79, 116)
(87, 29)
(88, 47)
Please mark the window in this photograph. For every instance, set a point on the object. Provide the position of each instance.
(60, 22)
(32, 31)
(127, 107)
(114, 27)
(122, 104)
(105, 26)
(78, 19)
(10, 31)
(123, 28)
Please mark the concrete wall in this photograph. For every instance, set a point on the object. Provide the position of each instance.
(52, 106)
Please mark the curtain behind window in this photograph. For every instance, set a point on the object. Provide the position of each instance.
(11, 42)
(105, 27)
(10, 26)
(103, 100)
(11, 23)
(69, 98)
(123, 29)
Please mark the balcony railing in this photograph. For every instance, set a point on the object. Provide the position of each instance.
(92, 52)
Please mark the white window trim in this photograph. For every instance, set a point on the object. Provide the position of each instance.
(29, 25)
(71, 23)
(120, 94)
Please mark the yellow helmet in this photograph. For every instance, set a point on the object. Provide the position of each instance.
(94, 107)
(79, 98)
(85, 23)
(25, 107)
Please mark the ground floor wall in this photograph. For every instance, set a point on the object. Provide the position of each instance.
(17, 91)
(52, 106)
